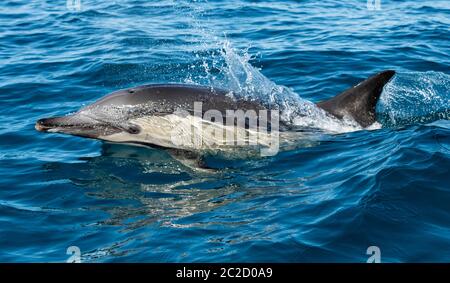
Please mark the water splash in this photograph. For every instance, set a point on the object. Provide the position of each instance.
(415, 97)
(219, 64)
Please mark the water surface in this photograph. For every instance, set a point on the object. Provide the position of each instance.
(323, 203)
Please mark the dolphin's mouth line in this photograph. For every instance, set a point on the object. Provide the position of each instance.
(43, 127)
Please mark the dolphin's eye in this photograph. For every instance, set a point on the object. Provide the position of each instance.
(133, 129)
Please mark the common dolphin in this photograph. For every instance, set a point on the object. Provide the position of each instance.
(148, 114)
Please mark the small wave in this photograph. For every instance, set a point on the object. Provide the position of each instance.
(415, 97)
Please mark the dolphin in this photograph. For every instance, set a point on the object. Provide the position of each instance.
(149, 114)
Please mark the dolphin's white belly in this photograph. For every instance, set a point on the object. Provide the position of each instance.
(194, 133)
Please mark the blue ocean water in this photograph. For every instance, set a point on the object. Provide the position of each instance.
(387, 187)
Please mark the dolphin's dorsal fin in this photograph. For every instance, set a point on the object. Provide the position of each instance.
(359, 102)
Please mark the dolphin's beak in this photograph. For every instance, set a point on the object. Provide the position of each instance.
(45, 124)
(76, 125)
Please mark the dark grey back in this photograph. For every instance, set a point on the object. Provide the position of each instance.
(166, 98)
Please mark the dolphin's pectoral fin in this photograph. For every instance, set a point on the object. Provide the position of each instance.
(190, 159)
(359, 102)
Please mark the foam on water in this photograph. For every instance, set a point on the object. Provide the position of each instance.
(249, 83)
(415, 97)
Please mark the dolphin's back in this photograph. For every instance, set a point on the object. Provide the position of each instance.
(167, 98)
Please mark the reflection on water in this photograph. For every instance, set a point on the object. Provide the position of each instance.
(140, 187)
(157, 187)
